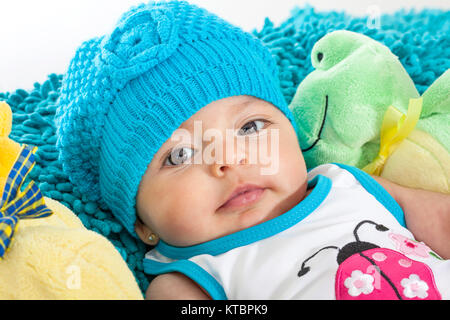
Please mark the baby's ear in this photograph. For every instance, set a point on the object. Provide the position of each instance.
(142, 231)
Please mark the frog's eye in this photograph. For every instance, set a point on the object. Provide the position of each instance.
(319, 56)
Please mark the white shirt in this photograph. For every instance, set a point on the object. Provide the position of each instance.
(346, 240)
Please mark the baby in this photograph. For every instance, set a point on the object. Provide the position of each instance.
(176, 122)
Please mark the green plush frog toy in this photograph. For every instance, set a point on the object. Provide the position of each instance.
(360, 107)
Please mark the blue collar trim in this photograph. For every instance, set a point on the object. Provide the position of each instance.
(258, 232)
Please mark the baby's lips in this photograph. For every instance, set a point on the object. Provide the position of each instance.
(240, 189)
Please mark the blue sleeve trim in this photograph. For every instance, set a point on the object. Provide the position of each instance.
(377, 190)
(190, 270)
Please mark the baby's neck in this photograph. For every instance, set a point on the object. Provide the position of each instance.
(308, 192)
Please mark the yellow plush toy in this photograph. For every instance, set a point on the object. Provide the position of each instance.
(45, 251)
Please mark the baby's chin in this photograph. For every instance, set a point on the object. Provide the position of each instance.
(256, 216)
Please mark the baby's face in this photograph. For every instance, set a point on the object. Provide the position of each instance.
(229, 143)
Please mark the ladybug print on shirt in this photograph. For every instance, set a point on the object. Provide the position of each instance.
(368, 272)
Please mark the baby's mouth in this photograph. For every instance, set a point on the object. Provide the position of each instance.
(243, 196)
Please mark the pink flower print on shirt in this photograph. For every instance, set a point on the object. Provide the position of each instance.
(408, 246)
(414, 287)
(359, 283)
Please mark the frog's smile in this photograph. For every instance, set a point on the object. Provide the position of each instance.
(321, 126)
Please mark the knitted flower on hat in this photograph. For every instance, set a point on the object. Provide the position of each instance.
(142, 38)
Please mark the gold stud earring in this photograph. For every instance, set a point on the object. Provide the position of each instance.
(153, 239)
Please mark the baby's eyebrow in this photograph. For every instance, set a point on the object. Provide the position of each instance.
(233, 110)
(242, 106)
(188, 126)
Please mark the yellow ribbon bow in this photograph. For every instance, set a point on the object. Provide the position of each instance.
(395, 128)
(15, 204)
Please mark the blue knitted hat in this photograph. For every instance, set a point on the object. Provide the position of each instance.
(126, 92)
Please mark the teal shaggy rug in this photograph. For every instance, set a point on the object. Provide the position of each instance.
(421, 40)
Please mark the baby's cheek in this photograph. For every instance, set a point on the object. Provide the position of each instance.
(292, 165)
(182, 226)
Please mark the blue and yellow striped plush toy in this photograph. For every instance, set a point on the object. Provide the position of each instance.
(16, 204)
(55, 256)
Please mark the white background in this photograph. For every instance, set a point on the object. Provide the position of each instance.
(39, 37)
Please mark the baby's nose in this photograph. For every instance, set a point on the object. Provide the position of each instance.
(219, 169)
(230, 157)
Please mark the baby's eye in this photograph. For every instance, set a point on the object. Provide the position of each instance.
(179, 156)
(252, 126)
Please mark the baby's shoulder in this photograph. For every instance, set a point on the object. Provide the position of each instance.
(174, 286)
